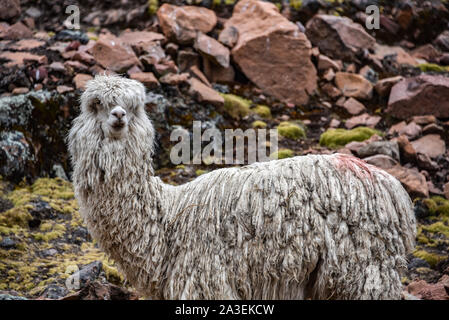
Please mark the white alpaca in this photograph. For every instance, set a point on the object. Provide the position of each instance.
(321, 227)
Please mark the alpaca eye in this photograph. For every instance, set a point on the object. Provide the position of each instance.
(94, 105)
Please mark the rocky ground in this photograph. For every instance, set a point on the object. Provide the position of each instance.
(309, 69)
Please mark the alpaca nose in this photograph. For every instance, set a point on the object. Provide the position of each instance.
(118, 112)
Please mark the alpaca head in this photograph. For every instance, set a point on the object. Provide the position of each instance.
(112, 125)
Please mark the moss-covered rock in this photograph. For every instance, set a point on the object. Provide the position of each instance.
(291, 130)
(258, 124)
(237, 107)
(48, 253)
(432, 67)
(153, 5)
(437, 206)
(432, 258)
(262, 110)
(282, 154)
(336, 138)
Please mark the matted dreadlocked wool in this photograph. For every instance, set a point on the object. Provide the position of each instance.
(320, 227)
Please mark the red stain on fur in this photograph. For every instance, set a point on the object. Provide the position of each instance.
(359, 167)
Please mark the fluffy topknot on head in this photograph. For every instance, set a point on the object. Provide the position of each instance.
(111, 90)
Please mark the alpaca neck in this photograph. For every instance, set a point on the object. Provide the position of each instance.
(121, 203)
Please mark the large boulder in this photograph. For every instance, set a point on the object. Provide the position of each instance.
(338, 37)
(272, 52)
(113, 54)
(180, 24)
(422, 95)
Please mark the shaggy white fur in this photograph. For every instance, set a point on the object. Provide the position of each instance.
(321, 227)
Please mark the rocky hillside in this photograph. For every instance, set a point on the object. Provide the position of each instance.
(309, 69)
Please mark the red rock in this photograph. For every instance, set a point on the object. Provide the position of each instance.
(272, 52)
(412, 130)
(112, 54)
(338, 37)
(412, 180)
(331, 91)
(212, 49)
(433, 128)
(352, 106)
(75, 66)
(383, 87)
(203, 93)
(422, 95)
(229, 36)
(426, 52)
(165, 67)
(147, 78)
(64, 89)
(401, 56)
(354, 85)
(19, 58)
(329, 75)
(218, 74)
(424, 120)
(431, 145)
(74, 45)
(186, 59)
(9, 9)
(57, 66)
(81, 79)
(175, 79)
(195, 72)
(180, 24)
(408, 153)
(84, 57)
(362, 120)
(382, 161)
(142, 41)
(430, 291)
(27, 44)
(334, 123)
(325, 63)
(17, 31)
(20, 90)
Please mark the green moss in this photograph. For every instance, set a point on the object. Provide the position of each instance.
(437, 227)
(432, 258)
(112, 274)
(437, 206)
(153, 6)
(432, 67)
(237, 107)
(15, 217)
(335, 138)
(296, 4)
(53, 188)
(291, 130)
(259, 124)
(262, 111)
(282, 154)
(200, 172)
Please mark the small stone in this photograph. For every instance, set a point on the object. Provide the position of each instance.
(63, 89)
(382, 161)
(353, 107)
(7, 243)
(354, 85)
(212, 49)
(383, 87)
(325, 63)
(174, 79)
(431, 145)
(81, 79)
(362, 120)
(147, 78)
(203, 93)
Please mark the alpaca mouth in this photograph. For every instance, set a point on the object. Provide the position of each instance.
(118, 125)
